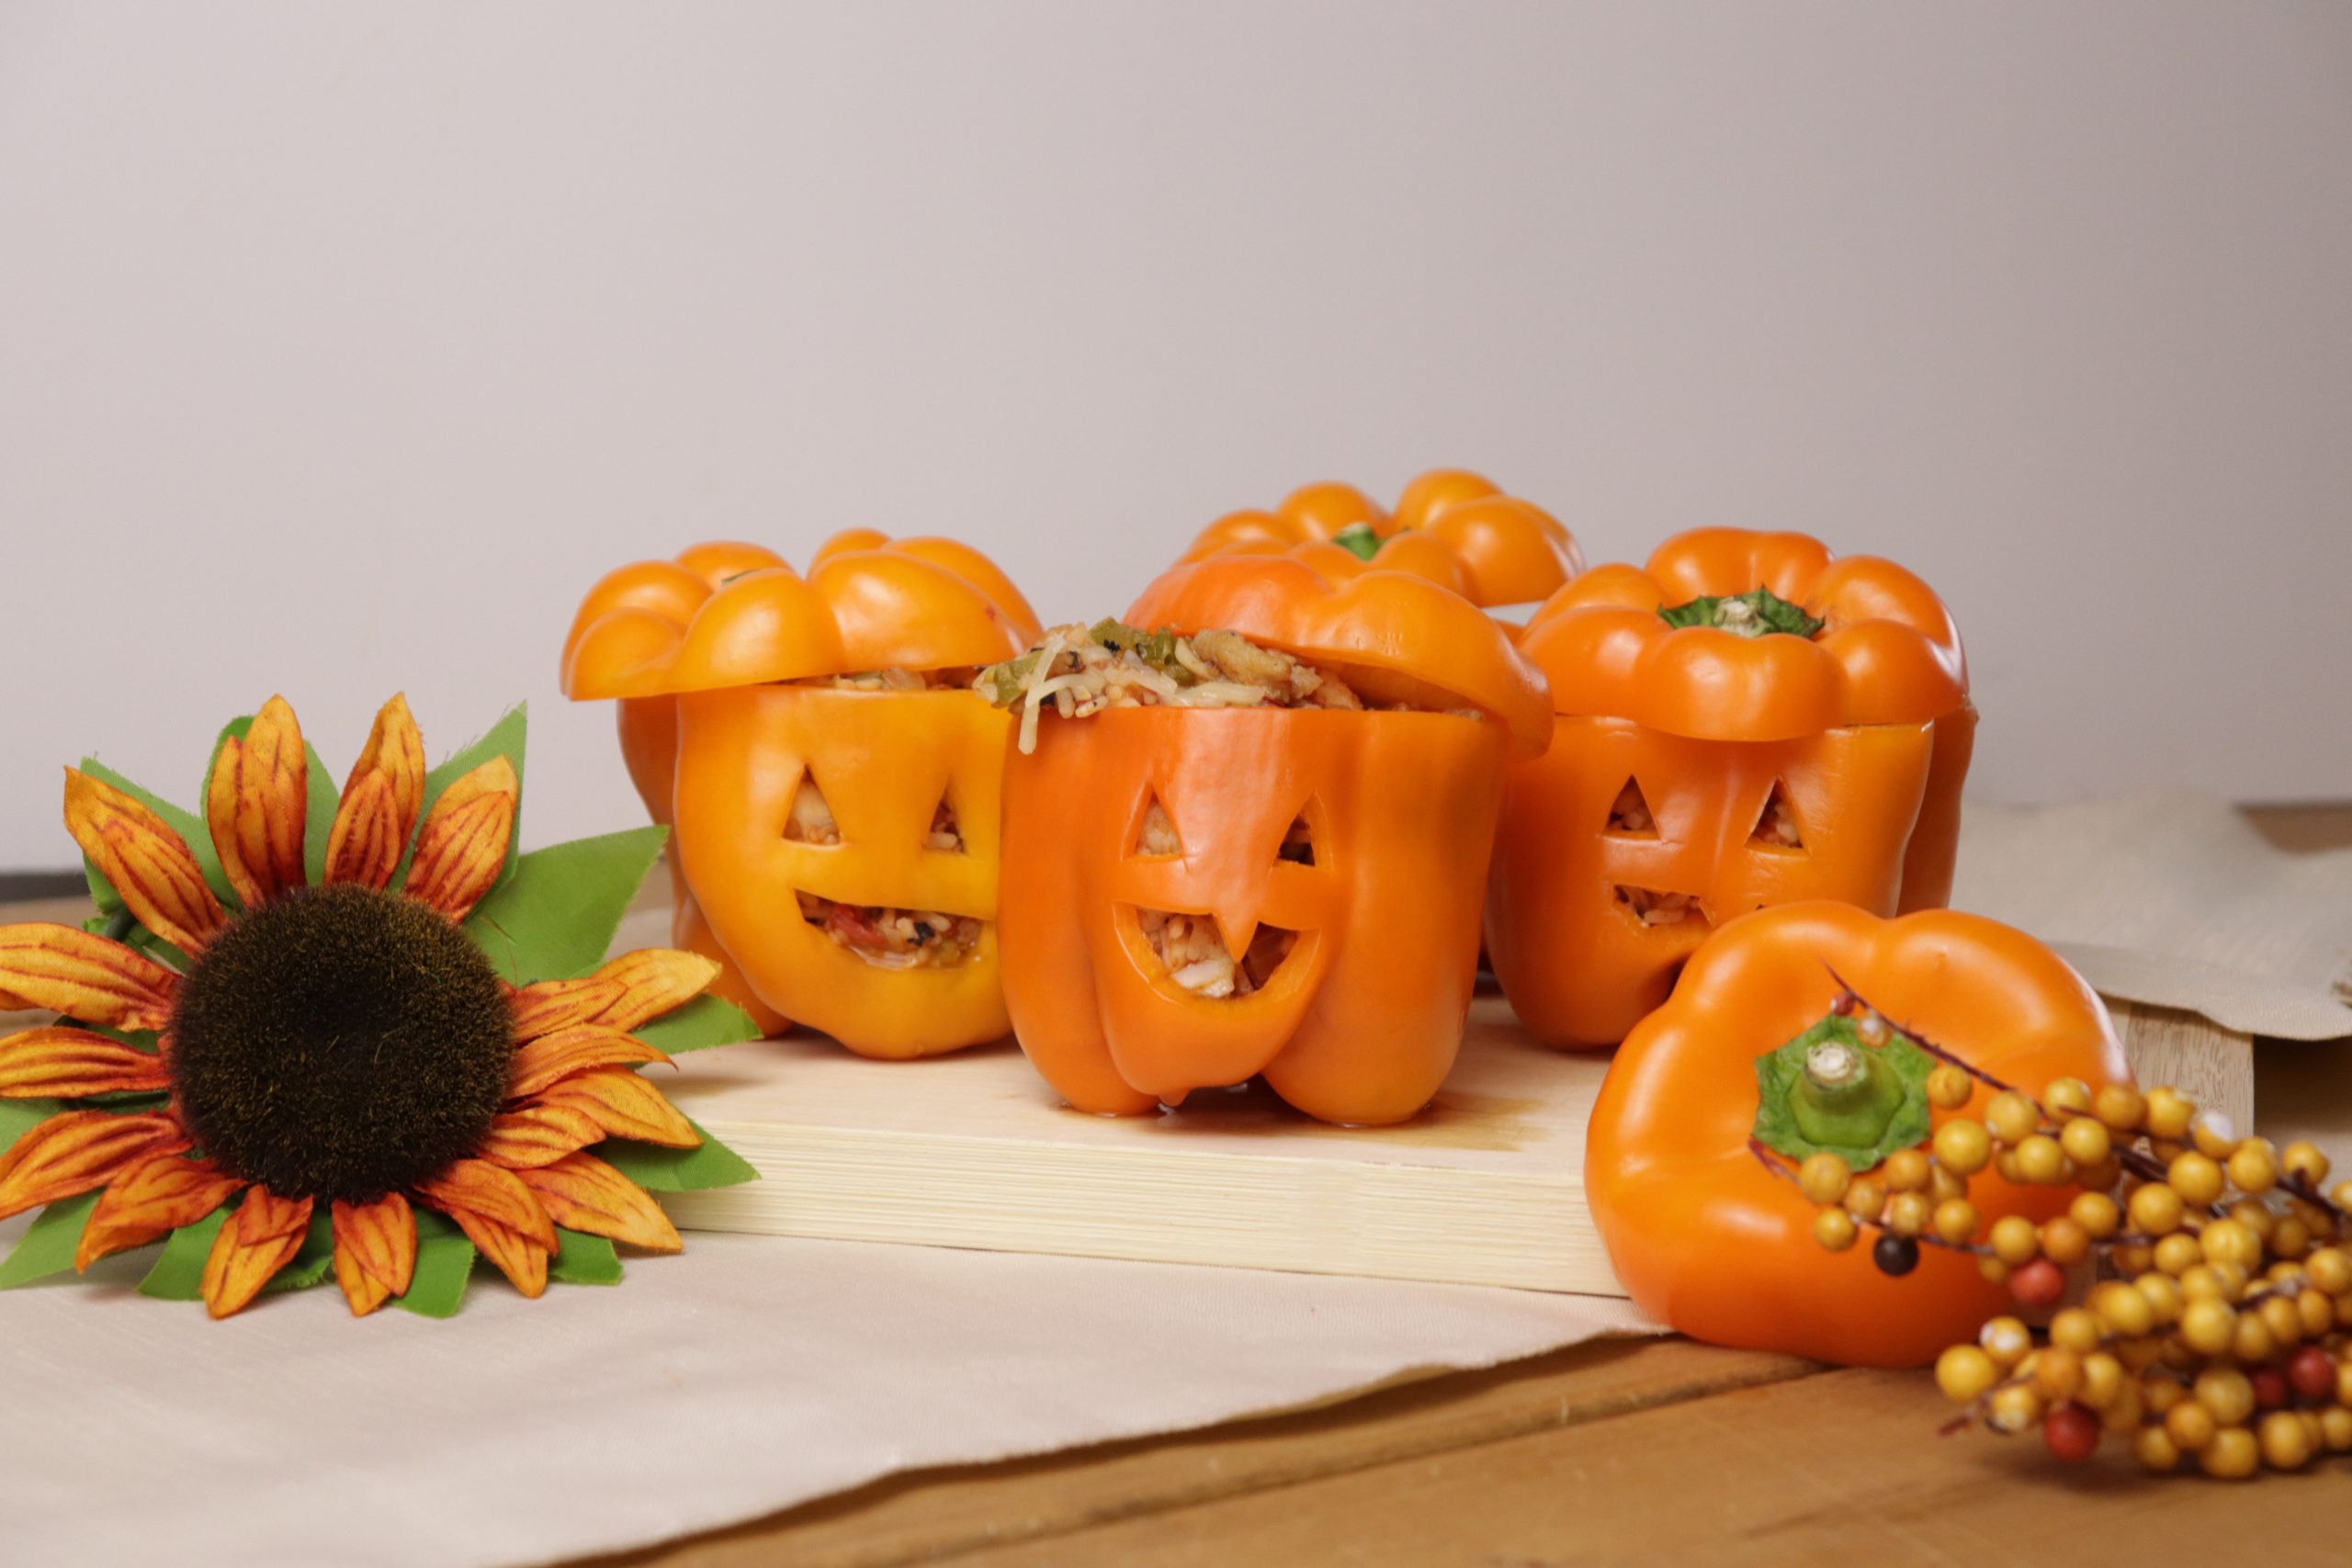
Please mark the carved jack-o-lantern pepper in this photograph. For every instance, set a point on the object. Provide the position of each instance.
(831, 784)
(1451, 526)
(1744, 722)
(1246, 834)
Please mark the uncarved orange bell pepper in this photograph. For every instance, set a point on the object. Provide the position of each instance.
(700, 652)
(1451, 526)
(1360, 1021)
(1706, 1237)
(1851, 732)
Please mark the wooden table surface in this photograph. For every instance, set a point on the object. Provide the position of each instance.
(1614, 1453)
(1631, 1452)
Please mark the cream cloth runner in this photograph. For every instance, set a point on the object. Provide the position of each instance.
(750, 1374)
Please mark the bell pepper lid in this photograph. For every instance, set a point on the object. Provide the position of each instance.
(1887, 651)
(1395, 636)
(725, 615)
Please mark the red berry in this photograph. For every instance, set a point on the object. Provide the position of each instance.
(2270, 1387)
(2071, 1432)
(2039, 1284)
(2312, 1371)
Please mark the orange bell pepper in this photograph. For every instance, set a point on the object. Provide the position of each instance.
(1705, 763)
(1707, 1238)
(1451, 526)
(1360, 1021)
(700, 652)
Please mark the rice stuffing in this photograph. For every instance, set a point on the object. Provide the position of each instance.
(1080, 671)
(890, 680)
(1655, 908)
(1198, 960)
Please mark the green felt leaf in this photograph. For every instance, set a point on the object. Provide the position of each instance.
(445, 1262)
(584, 1259)
(503, 739)
(1780, 1079)
(47, 1245)
(320, 795)
(316, 1260)
(700, 1024)
(1755, 614)
(18, 1117)
(179, 1274)
(556, 914)
(659, 1169)
(120, 1104)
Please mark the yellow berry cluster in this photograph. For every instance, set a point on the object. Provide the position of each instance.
(2220, 1322)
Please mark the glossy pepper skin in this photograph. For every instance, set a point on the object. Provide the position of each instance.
(1866, 731)
(1451, 526)
(698, 652)
(1362, 1020)
(1705, 1238)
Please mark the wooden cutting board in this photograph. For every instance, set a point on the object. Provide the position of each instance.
(973, 1149)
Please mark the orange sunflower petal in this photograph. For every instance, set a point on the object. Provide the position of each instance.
(653, 981)
(538, 1134)
(259, 1240)
(625, 1106)
(151, 1199)
(363, 1291)
(552, 1057)
(546, 1006)
(499, 1215)
(148, 864)
(86, 975)
(58, 1063)
(381, 801)
(582, 1192)
(68, 1155)
(462, 846)
(375, 1251)
(257, 804)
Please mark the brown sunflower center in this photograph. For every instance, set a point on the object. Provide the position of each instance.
(340, 1043)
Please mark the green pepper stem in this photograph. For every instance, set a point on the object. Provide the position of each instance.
(1846, 1098)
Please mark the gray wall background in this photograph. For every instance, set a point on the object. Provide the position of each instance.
(340, 347)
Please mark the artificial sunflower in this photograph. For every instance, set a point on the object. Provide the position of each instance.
(356, 1034)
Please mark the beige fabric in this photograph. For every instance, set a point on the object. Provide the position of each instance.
(750, 1374)
(2173, 899)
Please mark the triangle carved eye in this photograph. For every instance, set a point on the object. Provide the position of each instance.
(1298, 843)
(810, 821)
(946, 834)
(1156, 834)
(1630, 815)
(1776, 827)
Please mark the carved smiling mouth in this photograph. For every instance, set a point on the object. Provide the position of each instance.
(895, 939)
(1197, 958)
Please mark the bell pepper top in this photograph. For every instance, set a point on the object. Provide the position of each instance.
(1453, 527)
(1760, 613)
(1691, 642)
(1720, 1243)
(1397, 639)
(730, 614)
(1829, 1090)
